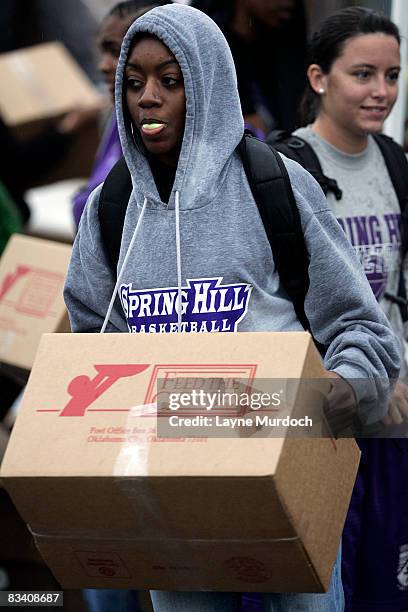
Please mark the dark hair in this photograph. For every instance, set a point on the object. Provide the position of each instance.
(327, 45)
(122, 10)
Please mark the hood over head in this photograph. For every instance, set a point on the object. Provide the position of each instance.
(214, 123)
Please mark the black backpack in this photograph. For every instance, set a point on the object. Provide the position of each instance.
(272, 191)
(299, 150)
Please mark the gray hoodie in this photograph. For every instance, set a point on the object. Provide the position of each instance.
(202, 261)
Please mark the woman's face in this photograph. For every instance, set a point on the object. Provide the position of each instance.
(362, 85)
(155, 98)
(111, 34)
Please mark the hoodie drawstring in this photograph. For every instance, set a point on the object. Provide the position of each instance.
(130, 247)
(178, 255)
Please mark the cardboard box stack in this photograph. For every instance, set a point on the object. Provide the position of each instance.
(114, 505)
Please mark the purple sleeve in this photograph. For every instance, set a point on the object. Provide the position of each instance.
(255, 131)
(108, 154)
(79, 201)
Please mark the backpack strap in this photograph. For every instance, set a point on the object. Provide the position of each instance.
(299, 150)
(113, 202)
(397, 166)
(272, 191)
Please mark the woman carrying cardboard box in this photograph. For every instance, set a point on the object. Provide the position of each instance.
(191, 215)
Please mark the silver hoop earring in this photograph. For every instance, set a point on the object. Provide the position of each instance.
(133, 133)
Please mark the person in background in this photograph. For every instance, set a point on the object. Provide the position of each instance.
(268, 41)
(354, 63)
(111, 32)
(22, 24)
(191, 215)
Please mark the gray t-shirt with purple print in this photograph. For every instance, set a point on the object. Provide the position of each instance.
(369, 214)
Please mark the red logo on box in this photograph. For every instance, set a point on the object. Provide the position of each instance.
(106, 564)
(12, 278)
(247, 569)
(85, 390)
(38, 293)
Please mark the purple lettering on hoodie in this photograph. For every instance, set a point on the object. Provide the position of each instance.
(206, 306)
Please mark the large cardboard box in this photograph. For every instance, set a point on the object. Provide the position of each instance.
(42, 82)
(114, 505)
(32, 274)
